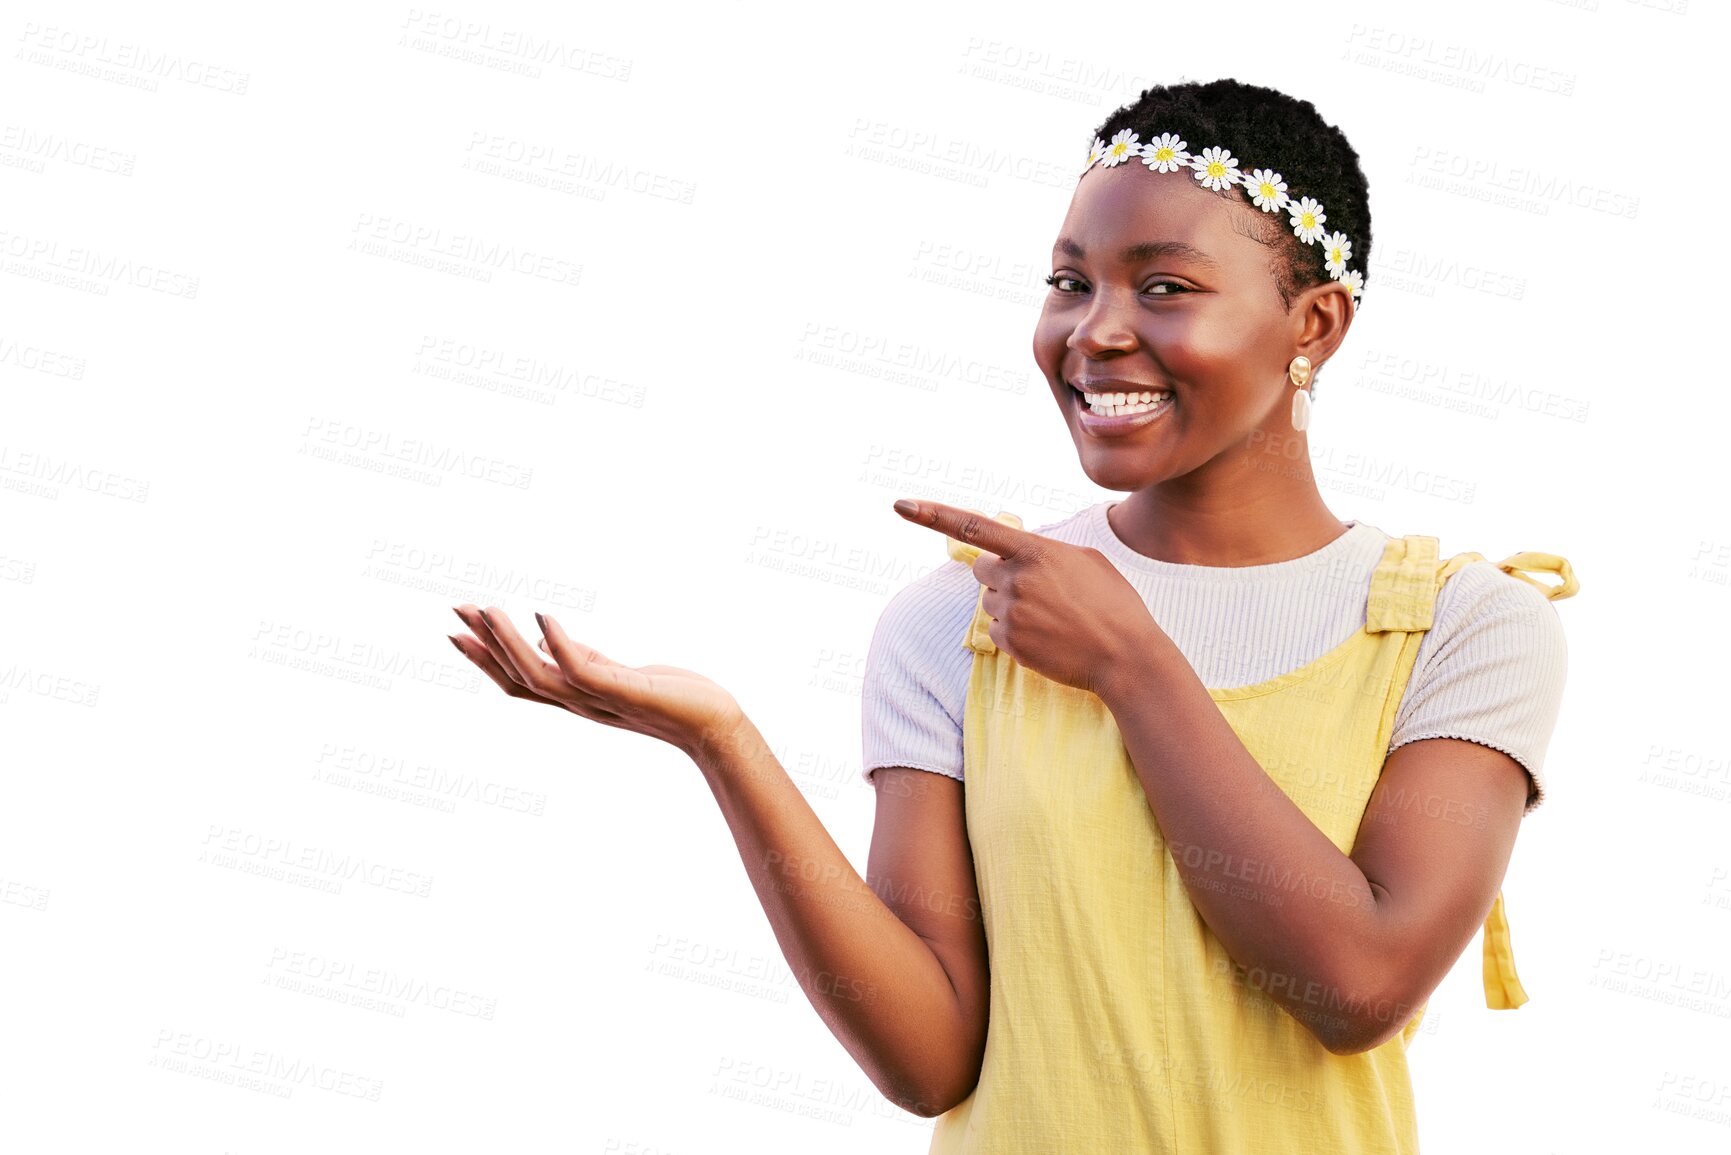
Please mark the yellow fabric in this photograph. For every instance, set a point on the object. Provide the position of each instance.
(1118, 1021)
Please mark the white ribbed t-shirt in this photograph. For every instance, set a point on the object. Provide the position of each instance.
(1490, 669)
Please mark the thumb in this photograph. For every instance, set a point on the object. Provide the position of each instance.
(583, 666)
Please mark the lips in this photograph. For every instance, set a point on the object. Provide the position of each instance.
(1103, 425)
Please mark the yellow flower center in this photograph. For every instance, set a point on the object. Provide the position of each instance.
(1216, 169)
(1267, 190)
(1308, 220)
(1163, 154)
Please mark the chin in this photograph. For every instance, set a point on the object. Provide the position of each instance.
(1118, 471)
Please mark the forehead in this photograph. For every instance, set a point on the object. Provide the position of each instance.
(1130, 204)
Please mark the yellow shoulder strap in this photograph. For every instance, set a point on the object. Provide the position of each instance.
(1503, 991)
(1519, 565)
(1502, 986)
(1534, 562)
(976, 637)
(1403, 586)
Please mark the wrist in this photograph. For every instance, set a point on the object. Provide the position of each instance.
(723, 743)
(1127, 668)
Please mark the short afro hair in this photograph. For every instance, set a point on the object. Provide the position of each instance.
(1264, 128)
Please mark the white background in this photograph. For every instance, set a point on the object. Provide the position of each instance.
(261, 430)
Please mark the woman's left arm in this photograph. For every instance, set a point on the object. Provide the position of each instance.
(1362, 939)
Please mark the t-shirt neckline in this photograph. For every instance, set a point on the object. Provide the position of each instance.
(1357, 536)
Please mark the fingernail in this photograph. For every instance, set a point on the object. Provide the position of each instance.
(907, 508)
(540, 621)
(455, 642)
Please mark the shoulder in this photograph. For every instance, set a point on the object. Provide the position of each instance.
(916, 657)
(1487, 622)
(1481, 598)
(1491, 669)
(921, 609)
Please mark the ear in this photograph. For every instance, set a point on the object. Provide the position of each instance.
(1321, 315)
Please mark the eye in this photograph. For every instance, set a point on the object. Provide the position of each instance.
(1169, 287)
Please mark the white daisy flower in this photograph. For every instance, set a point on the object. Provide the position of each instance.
(1307, 219)
(1336, 251)
(1165, 154)
(1354, 280)
(1267, 189)
(1095, 152)
(1122, 148)
(1214, 168)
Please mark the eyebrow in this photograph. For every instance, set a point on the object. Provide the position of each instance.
(1147, 250)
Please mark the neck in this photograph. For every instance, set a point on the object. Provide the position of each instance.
(1272, 527)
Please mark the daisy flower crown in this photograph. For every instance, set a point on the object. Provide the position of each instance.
(1217, 168)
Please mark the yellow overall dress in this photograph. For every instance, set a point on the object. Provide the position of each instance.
(1119, 1023)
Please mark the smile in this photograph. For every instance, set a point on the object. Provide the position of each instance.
(1108, 413)
(1123, 404)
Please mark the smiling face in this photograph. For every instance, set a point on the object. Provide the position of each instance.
(1159, 286)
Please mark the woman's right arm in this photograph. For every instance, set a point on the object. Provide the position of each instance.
(897, 968)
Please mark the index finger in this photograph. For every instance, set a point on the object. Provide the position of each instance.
(971, 532)
(540, 676)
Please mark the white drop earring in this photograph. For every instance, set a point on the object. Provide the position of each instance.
(1298, 372)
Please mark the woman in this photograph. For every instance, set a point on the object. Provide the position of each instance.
(1185, 803)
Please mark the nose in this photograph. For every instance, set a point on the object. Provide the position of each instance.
(1105, 325)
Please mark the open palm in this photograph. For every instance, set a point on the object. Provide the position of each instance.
(678, 706)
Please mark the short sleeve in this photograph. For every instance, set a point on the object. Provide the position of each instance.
(1491, 670)
(916, 675)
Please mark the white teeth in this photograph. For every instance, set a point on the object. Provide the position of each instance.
(1124, 404)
